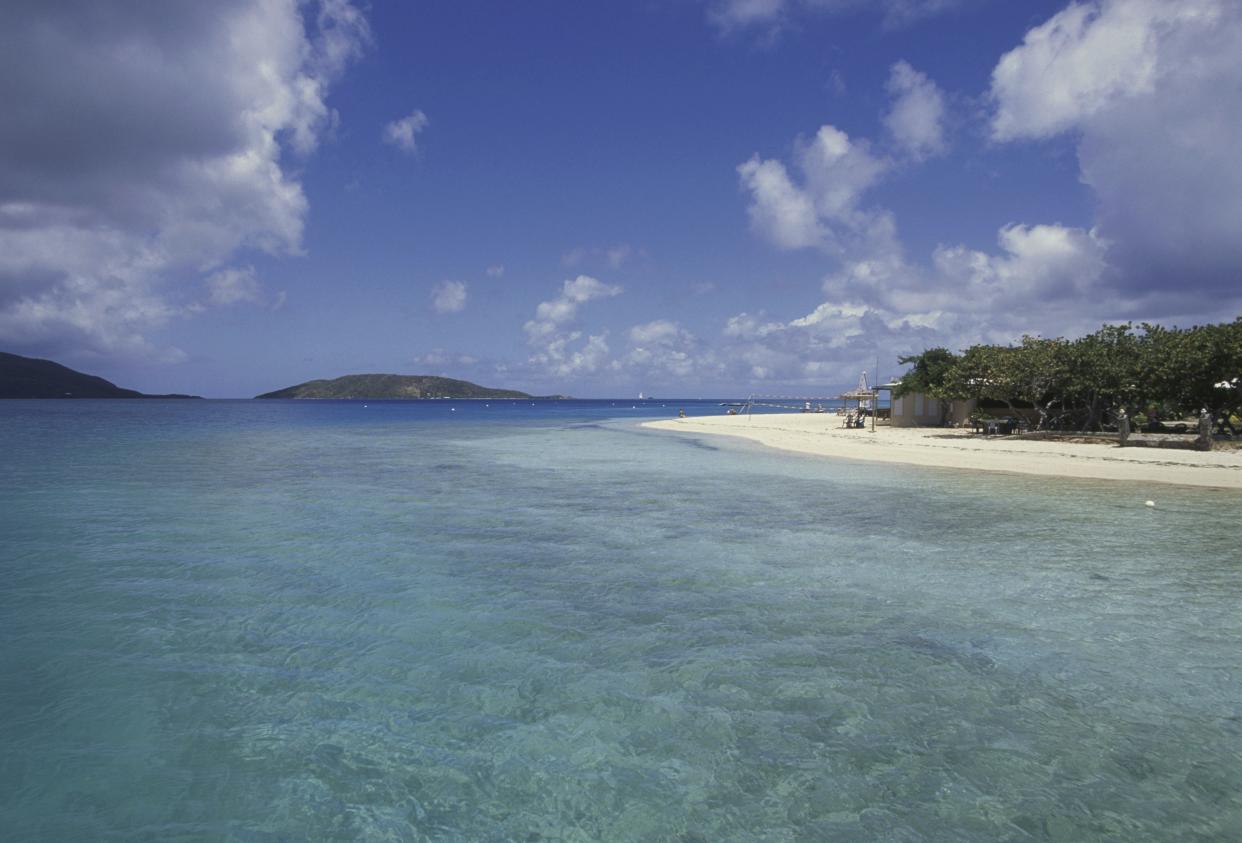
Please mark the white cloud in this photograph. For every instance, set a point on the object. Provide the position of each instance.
(836, 83)
(495, 270)
(233, 285)
(403, 133)
(441, 360)
(838, 171)
(769, 17)
(558, 350)
(163, 168)
(1144, 84)
(1040, 263)
(1043, 279)
(564, 357)
(449, 297)
(779, 210)
(659, 332)
(1140, 83)
(1079, 61)
(612, 256)
(662, 350)
(824, 210)
(551, 315)
(916, 119)
(746, 326)
(878, 303)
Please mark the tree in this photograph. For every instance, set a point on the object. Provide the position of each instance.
(928, 372)
(1079, 382)
(927, 376)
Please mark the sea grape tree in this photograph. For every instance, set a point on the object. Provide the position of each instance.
(1083, 382)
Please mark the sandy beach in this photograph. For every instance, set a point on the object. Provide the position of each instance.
(822, 435)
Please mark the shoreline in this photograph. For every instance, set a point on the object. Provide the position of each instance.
(821, 435)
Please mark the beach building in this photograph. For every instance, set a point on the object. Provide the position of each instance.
(914, 409)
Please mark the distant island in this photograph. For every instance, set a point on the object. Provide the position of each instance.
(392, 386)
(31, 377)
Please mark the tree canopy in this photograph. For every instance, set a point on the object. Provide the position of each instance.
(1079, 383)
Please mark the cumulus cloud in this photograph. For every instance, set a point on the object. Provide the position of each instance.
(662, 350)
(730, 15)
(769, 17)
(141, 148)
(1043, 279)
(830, 345)
(403, 133)
(233, 285)
(611, 256)
(1077, 63)
(1045, 263)
(1143, 85)
(442, 360)
(449, 297)
(551, 316)
(561, 350)
(564, 356)
(916, 118)
(823, 210)
(780, 211)
(877, 302)
(1136, 83)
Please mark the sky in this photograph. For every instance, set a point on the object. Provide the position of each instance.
(687, 198)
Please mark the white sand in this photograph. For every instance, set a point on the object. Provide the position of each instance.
(822, 435)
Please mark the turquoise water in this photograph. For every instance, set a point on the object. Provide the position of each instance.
(263, 621)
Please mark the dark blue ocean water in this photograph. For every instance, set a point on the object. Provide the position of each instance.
(262, 621)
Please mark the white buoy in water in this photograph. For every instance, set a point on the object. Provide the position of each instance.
(1151, 503)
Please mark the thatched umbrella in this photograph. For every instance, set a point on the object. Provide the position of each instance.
(862, 393)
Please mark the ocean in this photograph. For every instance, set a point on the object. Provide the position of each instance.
(538, 621)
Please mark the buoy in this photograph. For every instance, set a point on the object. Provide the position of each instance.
(1151, 503)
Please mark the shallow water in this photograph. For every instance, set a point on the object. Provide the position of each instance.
(417, 621)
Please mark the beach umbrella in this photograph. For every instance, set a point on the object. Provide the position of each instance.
(862, 393)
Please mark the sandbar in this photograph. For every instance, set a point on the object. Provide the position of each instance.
(822, 435)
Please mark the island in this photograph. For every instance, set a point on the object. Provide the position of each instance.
(32, 377)
(377, 387)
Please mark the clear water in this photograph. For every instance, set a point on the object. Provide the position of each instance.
(263, 621)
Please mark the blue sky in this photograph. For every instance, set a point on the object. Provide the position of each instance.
(684, 198)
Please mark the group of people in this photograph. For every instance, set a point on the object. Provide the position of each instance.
(855, 420)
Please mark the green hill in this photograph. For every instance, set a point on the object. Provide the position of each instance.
(391, 386)
(30, 377)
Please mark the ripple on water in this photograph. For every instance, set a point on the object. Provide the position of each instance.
(252, 627)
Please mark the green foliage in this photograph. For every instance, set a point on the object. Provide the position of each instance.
(30, 377)
(928, 373)
(1081, 383)
(392, 386)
